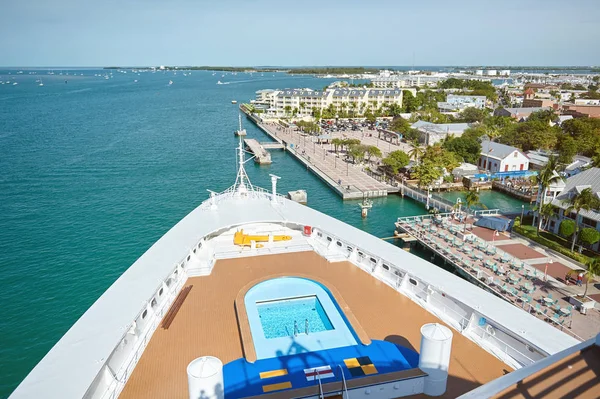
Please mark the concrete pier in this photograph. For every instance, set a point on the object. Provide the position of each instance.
(346, 179)
(261, 156)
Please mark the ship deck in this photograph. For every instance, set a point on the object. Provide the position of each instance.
(207, 323)
(576, 376)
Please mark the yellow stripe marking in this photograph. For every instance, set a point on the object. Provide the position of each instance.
(277, 387)
(273, 373)
(369, 369)
(352, 363)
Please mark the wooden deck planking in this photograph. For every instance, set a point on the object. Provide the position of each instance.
(206, 323)
(577, 376)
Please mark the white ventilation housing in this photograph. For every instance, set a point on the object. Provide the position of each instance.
(436, 344)
(205, 378)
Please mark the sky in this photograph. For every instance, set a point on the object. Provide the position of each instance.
(299, 33)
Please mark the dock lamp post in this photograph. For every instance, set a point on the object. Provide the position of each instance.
(496, 234)
(428, 197)
(522, 211)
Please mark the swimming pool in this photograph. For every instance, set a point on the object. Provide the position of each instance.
(291, 315)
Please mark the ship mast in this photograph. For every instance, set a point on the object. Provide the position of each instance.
(242, 181)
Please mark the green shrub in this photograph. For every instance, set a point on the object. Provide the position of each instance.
(566, 228)
(589, 236)
(530, 232)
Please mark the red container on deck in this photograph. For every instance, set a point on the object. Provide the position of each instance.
(307, 231)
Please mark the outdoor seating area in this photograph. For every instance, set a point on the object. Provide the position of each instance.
(511, 278)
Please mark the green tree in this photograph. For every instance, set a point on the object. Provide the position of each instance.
(316, 113)
(357, 152)
(287, 109)
(596, 160)
(546, 177)
(566, 228)
(471, 115)
(427, 172)
(416, 152)
(471, 200)
(567, 149)
(373, 151)
(395, 160)
(584, 200)
(466, 147)
(400, 125)
(545, 116)
(585, 132)
(409, 101)
(546, 212)
(589, 236)
(302, 105)
(336, 144)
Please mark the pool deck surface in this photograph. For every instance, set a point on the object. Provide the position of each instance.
(206, 324)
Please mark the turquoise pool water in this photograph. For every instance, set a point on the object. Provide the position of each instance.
(274, 307)
(287, 317)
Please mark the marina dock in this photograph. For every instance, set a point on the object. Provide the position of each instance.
(261, 155)
(346, 179)
(502, 264)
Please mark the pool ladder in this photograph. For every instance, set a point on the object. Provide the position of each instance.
(296, 330)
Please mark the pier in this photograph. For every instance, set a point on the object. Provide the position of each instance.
(346, 179)
(261, 155)
(523, 195)
(528, 276)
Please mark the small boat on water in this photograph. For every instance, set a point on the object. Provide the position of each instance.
(170, 82)
(219, 82)
(233, 101)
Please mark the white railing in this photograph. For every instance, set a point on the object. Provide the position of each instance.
(426, 297)
(121, 376)
(502, 349)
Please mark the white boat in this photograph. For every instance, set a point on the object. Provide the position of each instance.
(170, 82)
(41, 82)
(219, 82)
(234, 101)
(15, 83)
(199, 315)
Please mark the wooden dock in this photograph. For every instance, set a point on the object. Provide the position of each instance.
(346, 179)
(261, 155)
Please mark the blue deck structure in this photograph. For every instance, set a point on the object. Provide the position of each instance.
(296, 368)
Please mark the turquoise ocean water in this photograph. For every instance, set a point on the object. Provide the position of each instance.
(93, 171)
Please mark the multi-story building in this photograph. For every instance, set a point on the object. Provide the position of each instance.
(589, 178)
(459, 102)
(302, 102)
(408, 80)
(496, 157)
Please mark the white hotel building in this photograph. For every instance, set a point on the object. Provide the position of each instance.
(304, 100)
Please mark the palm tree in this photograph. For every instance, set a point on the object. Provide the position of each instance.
(585, 200)
(593, 270)
(302, 105)
(336, 142)
(416, 152)
(546, 212)
(546, 177)
(472, 200)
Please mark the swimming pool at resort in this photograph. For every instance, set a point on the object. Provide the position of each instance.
(291, 315)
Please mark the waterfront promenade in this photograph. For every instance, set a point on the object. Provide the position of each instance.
(347, 179)
(522, 273)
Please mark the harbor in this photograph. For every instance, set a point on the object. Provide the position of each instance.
(523, 273)
(346, 179)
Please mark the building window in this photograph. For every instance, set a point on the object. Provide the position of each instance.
(144, 314)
